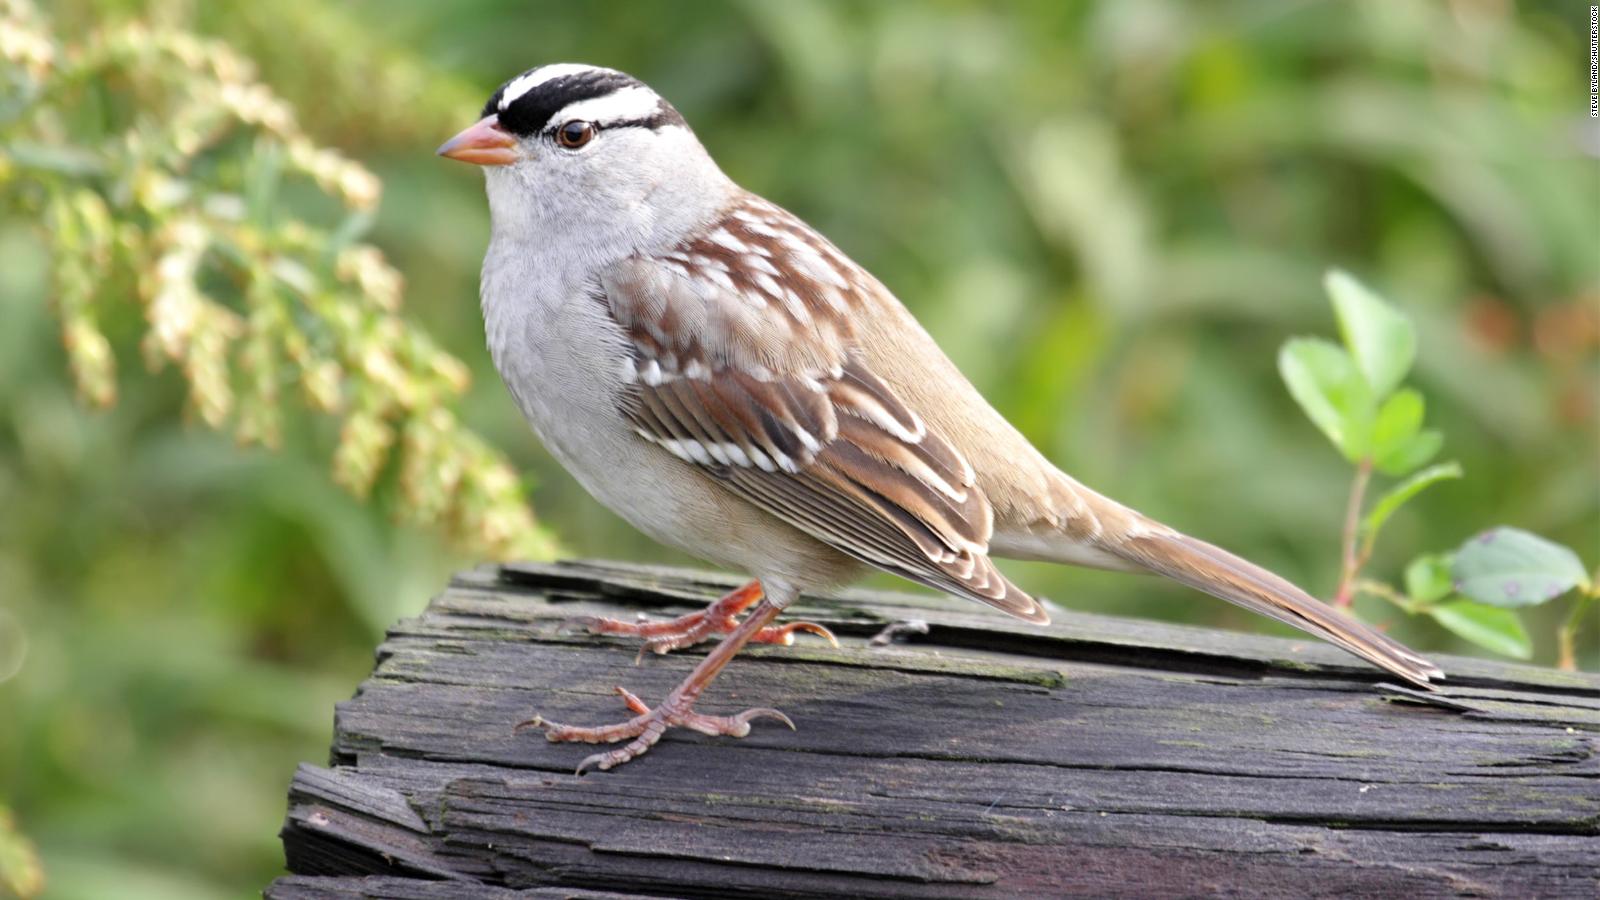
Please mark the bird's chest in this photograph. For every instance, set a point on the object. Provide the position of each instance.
(560, 356)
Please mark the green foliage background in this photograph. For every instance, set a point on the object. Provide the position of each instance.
(1109, 213)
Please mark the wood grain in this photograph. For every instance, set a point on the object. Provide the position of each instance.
(987, 758)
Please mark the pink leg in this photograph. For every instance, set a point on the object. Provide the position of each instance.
(721, 617)
(647, 725)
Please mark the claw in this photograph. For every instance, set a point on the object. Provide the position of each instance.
(785, 634)
(632, 701)
(646, 727)
(764, 712)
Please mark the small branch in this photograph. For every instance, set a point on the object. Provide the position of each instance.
(1385, 592)
(1353, 558)
(1567, 634)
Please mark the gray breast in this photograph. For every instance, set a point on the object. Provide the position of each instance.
(561, 357)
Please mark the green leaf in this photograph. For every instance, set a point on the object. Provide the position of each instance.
(1323, 380)
(1379, 337)
(1399, 419)
(1428, 578)
(1422, 446)
(1401, 493)
(1498, 630)
(57, 159)
(1510, 567)
(263, 173)
(351, 229)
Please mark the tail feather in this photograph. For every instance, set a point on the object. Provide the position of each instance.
(1219, 573)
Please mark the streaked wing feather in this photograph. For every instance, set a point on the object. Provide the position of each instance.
(801, 428)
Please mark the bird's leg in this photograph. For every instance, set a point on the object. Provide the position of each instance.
(647, 725)
(721, 617)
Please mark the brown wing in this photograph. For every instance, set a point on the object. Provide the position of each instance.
(788, 417)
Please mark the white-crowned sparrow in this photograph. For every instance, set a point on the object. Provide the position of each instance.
(729, 382)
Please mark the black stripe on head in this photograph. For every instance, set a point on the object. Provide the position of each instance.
(530, 113)
(665, 114)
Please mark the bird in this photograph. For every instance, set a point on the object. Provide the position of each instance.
(728, 381)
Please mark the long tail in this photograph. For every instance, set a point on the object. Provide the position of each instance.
(1221, 574)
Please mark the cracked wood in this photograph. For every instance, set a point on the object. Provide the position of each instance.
(988, 757)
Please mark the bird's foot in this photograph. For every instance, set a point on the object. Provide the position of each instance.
(647, 726)
(721, 617)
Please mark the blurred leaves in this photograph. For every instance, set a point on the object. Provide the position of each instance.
(1509, 567)
(1428, 581)
(1496, 630)
(1398, 495)
(1350, 392)
(1500, 570)
(13, 645)
(1380, 338)
(178, 203)
(1428, 592)
(1325, 382)
(21, 874)
(1427, 578)
(192, 610)
(1339, 389)
(1399, 443)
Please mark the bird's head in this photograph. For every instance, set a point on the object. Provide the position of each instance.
(570, 147)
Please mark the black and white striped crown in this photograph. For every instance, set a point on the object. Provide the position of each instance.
(543, 98)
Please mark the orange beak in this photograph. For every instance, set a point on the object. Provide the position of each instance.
(483, 144)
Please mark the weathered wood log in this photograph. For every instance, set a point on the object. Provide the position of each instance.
(985, 758)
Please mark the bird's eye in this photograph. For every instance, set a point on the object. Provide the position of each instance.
(575, 134)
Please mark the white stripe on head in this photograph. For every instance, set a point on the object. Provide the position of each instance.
(628, 104)
(525, 83)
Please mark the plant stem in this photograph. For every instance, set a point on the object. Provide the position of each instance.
(1386, 592)
(1567, 634)
(1353, 559)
